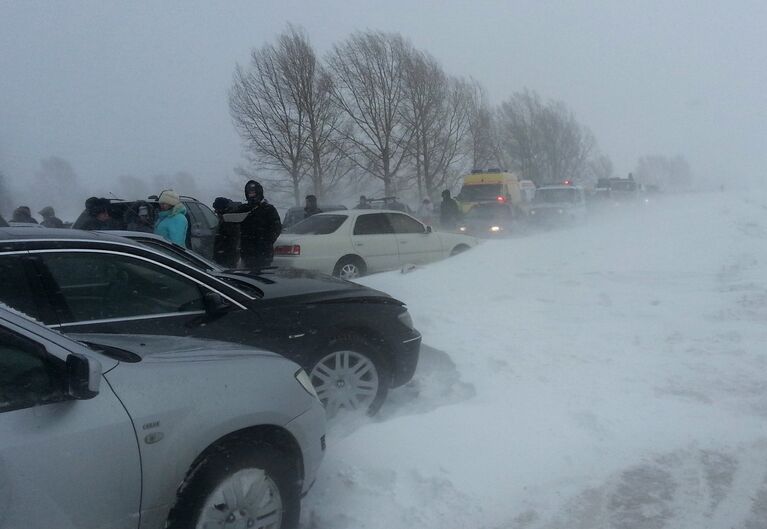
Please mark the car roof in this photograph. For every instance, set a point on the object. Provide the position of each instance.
(23, 233)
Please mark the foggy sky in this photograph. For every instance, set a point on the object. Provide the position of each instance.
(140, 88)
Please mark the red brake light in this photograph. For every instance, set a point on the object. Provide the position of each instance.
(501, 199)
(294, 249)
(568, 182)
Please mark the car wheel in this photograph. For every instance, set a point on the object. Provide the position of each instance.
(459, 249)
(349, 267)
(351, 375)
(249, 485)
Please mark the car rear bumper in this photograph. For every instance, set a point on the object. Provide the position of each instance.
(317, 264)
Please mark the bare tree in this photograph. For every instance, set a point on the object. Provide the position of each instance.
(368, 72)
(264, 106)
(437, 111)
(543, 142)
(483, 134)
(599, 167)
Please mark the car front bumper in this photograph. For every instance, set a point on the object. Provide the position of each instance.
(406, 356)
(309, 431)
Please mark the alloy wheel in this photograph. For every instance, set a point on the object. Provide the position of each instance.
(248, 499)
(345, 380)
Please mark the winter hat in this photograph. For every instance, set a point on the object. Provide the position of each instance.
(47, 212)
(221, 203)
(169, 197)
(253, 186)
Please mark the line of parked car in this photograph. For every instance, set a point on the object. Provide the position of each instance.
(176, 393)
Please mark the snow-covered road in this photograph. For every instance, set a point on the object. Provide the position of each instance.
(611, 375)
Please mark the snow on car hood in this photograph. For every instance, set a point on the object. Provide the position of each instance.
(171, 347)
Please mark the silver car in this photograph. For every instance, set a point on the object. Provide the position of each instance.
(151, 431)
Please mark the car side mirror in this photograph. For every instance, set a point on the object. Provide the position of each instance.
(83, 376)
(428, 229)
(214, 304)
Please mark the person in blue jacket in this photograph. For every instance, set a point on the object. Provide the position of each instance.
(171, 221)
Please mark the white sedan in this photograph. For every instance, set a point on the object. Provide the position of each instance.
(353, 243)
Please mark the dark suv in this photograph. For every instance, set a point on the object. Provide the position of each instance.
(202, 221)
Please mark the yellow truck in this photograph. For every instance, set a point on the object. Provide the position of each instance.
(495, 185)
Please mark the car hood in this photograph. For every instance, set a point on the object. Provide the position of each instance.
(168, 348)
(278, 283)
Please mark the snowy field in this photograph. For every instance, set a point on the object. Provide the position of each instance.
(611, 375)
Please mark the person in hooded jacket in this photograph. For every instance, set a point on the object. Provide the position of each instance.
(23, 214)
(99, 217)
(139, 218)
(227, 235)
(259, 229)
(311, 207)
(50, 220)
(449, 214)
(171, 221)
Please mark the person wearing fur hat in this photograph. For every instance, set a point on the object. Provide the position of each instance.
(171, 221)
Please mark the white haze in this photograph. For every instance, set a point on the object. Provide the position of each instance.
(140, 89)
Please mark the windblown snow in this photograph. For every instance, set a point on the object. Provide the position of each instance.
(607, 375)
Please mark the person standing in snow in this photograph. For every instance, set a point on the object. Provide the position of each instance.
(259, 229)
(23, 214)
(50, 220)
(311, 207)
(426, 212)
(171, 221)
(449, 214)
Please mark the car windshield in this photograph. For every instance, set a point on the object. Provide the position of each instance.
(488, 211)
(555, 195)
(318, 225)
(476, 192)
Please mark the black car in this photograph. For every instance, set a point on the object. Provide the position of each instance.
(355, 342)
(202, 221)
(488, 219)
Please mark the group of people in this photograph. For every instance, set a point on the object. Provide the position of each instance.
(449, 212)
(24, 214)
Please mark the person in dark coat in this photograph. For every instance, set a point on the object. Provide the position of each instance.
(98, 215)
(363, 203)
(139, 218)
(449, 214)
(227, 235)
(23, 214)
(311, 206)
(259, 229)
(50, 220)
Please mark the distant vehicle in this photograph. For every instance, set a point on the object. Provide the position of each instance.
(96, 282)
(558, 205)
(178, 433)
(493, 219)
(356, 242)
(296, 213)
(495, 185)
(617, 189)
(202, 221)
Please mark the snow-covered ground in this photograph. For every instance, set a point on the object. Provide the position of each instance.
(611, 375)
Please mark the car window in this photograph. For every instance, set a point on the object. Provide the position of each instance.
(98, 286)
(15, 288)
(210, 218)
(180, 253)
(28, 375)
(372, 224)
(318, 225)
(405, 224)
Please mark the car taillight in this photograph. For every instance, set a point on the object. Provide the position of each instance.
(501, 199)
(293, 249)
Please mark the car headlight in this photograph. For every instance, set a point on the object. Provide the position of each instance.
(306, 383)
(462, 228)
(495, 228)
(406, 319)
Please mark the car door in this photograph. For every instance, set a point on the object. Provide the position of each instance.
(373, 239)
(415, 243)
(203, 228)
(113, 292)
(68, 464)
